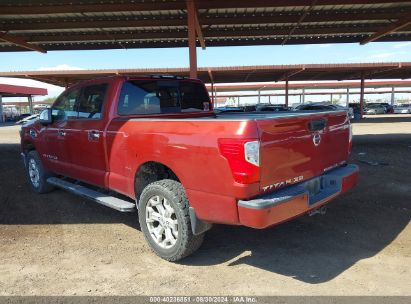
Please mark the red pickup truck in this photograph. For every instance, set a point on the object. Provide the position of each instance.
(154, 144)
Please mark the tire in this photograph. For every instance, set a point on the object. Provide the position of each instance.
(36, 174)
(163, 211)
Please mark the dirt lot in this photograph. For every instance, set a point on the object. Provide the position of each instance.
(60, 244)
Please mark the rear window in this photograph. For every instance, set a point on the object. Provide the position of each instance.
(162, 96)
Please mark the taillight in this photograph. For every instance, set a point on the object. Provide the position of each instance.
(243, 157)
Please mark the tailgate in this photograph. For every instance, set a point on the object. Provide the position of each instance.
(298, 148)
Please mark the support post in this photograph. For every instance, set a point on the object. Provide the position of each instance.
(30, 99)
(331, 98)
(362, 95)
(348, 97)
(303, 95)
(191, 24)
(1, 109)
(212, 93)
(286, 92)
(392, 96)
(259, 96)
(269, 99)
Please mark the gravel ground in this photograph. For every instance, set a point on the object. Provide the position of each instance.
(60, 244)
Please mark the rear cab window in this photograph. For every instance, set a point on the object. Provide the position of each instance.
(152, 96)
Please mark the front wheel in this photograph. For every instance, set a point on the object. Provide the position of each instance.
(165, 221)
(36, 174)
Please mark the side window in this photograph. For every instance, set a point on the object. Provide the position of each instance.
(138, 99)
(66, 105)
(91, 101)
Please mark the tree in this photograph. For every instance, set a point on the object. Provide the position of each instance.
(49, 100)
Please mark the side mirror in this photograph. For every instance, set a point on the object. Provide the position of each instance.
(45, 117)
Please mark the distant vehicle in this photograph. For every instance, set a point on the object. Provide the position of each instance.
(26, 119)
(10, 113)
(315, 107)
(389, 109)
(229, 109)
(374, 109)
(270, 108)
(324, 107)
(235, 109)
(402, 109)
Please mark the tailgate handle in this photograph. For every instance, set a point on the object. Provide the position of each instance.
(317, 125)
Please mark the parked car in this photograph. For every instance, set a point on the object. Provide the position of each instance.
(402, 109)
(324, 107)
(159, 148)
(389, 109)
(229, 109)
(315, 107)
(25, 118)
(10, 113)
(373, 109)
(270, 108)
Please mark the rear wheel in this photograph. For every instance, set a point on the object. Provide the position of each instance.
(165, 221)
(36, 174)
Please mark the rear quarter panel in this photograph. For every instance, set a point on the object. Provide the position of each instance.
(189, 147)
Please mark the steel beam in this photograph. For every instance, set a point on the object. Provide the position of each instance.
(214, 19)
(286, 92)
(305, 13)
(65, 7)
(290, 74)
(30, 101)
(314, 93)
(210, 74)
(388, 30)
(191, 24)
(1, 109)
(362, 95)
(20, 42)
(199, 31)
(392, 96)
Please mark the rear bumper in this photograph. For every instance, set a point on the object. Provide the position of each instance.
(280, 206)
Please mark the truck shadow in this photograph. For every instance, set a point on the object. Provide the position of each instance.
(310, 249)
(358, 225)
(19, 205)
(315, 249)
(391, 118)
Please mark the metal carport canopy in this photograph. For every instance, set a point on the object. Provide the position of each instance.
(46, 25)
(268, 73)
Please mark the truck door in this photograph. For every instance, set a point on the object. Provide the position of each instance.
(53, 147)
(86, 136)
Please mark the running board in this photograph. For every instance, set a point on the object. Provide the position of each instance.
(103, 199)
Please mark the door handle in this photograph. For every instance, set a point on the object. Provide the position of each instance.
(93, 135)
(61, 133)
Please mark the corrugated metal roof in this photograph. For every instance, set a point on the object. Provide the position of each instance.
(52, 24)
(312, 72)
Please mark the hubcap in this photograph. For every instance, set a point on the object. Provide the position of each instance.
(161, 221)
(34, 173)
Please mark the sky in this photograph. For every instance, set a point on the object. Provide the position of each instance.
(213, 56)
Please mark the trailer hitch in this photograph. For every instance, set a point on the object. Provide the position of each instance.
(322, 210)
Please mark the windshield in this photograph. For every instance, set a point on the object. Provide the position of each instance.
(162, 96)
